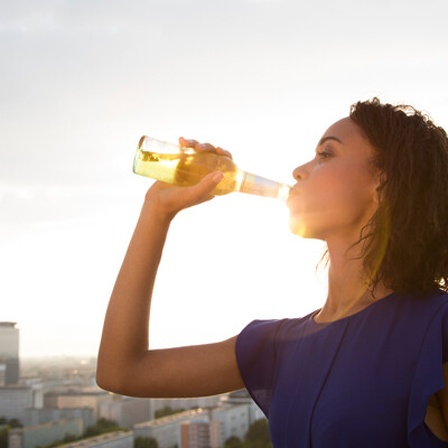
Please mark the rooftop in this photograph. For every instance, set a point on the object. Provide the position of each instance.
(8, 324)
(170, 418)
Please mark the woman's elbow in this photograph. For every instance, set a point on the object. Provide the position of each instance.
(103, 380)
(121, 380)
(108, 378)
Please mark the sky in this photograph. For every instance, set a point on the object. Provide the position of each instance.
(81, 81)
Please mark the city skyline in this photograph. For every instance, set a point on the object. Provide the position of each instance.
(82, 81)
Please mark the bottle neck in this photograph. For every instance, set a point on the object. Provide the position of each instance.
(253, 184)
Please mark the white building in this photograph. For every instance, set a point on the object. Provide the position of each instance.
(119, 439)
(126, 411)
(15, 400)
(9, 354)
(35, 417)
(235, 419)
(166, 430)
(185, 404)
(92, 398)
(203, 428)
(32, 436)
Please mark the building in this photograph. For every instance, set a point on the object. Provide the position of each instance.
(9, 354)
(32, 436)
(118, 439)
(126, 411)
(35, 417)
(166, 430)
(184, 404)
(203, 428)
(201, 433)
(231, 418)
(15, 400)
(235, 419)
(77, 398)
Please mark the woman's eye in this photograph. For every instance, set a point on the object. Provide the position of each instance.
(324, 154)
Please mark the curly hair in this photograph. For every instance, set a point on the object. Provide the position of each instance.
(405, 244)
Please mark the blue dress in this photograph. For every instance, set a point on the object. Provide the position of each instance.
(363, 381)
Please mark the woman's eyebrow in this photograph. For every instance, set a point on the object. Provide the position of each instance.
(329, 137)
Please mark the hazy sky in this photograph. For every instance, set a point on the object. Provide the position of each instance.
(82, 80)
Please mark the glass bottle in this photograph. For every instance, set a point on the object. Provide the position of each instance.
(171, 163)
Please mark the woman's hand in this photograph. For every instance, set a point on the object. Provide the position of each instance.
(170, 199)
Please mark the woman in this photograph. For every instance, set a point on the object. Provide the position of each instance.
(369, 368)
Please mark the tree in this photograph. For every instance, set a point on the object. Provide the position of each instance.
(233, 442)
(5, 426)
(4, 431)
(167, 410)
(102, 426)
(145, 442)
(12, 423)
(258, 435)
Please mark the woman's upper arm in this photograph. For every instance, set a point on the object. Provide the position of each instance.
(197, 370)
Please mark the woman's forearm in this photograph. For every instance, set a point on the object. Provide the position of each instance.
(125, 333)
(125, 364)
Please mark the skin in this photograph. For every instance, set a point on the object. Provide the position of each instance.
(334, 196)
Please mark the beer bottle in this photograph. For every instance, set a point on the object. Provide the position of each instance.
(173, 164)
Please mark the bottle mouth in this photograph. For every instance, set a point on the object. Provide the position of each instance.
(283, 192)
(141, 141)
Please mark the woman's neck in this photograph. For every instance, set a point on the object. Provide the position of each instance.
(349, 289)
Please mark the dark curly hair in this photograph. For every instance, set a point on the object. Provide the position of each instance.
(405, 244)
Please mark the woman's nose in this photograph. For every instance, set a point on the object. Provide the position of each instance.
(299, 173)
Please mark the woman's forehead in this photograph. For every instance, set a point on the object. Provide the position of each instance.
(344, 126)
(346, 131)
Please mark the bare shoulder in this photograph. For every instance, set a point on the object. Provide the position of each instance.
(197, 370)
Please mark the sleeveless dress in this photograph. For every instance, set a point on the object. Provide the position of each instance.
(363, 381)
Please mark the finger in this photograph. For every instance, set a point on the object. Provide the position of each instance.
(202, 191)
(191, 143)
(209, 182)
(205, 147)
(188, 143)
(223, 152)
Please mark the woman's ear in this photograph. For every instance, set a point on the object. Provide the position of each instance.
(380, 182)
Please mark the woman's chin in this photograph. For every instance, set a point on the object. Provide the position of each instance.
(301, 228)
(298, 227)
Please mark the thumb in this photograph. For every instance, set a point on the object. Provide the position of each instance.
(209, 182)
(201, 192)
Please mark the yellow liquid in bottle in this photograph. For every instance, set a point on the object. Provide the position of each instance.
(188, 168)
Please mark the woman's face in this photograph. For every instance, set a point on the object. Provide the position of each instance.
(335, 194)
